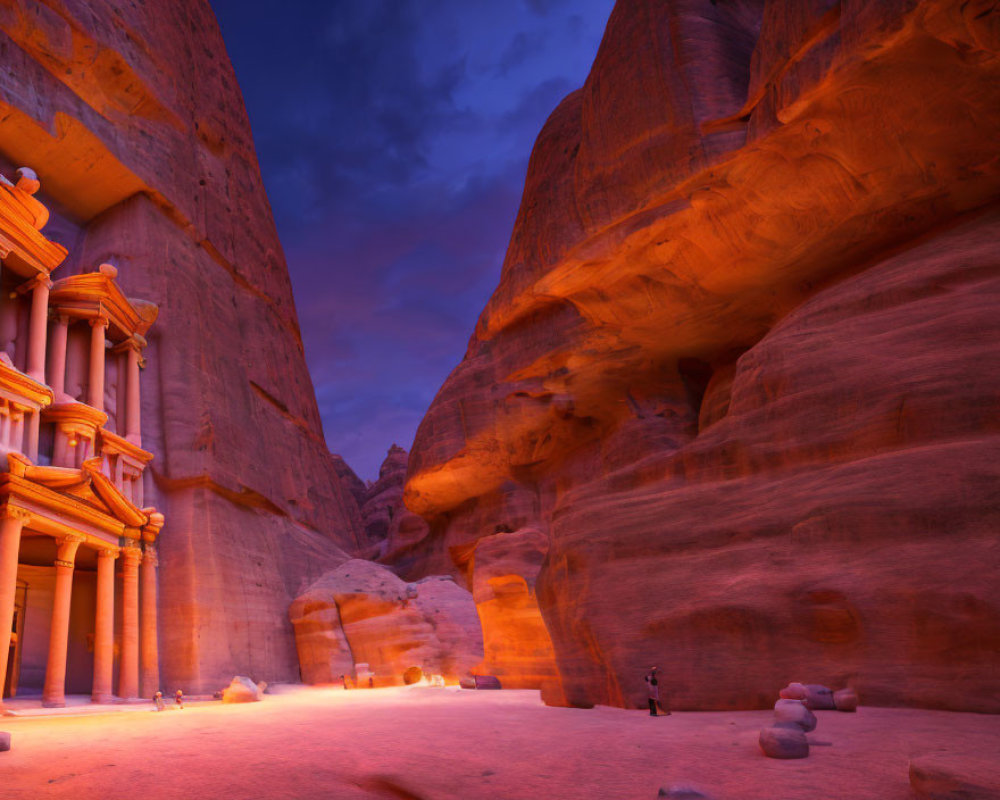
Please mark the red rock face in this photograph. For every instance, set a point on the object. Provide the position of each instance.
(131, 115)
(742, 365)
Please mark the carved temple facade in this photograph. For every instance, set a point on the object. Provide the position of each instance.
(71, 473)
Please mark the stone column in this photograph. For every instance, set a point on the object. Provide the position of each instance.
(54, 693)
(128, 666)
(38, 327)
(133, 429)
(95, 387)
(11, 522)
(34, 417)
(150, 649)
(57, 356)
(5, 423)
(16, 429)
(104, 627)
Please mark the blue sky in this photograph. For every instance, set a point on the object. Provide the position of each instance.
(393, 137)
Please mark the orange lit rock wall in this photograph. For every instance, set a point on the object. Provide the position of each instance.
(742, 367)
(131, 115)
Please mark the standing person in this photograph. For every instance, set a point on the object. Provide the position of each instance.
(158, 701)
(653, 687)
(179, 699)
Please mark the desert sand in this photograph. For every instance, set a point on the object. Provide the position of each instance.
(433, 743)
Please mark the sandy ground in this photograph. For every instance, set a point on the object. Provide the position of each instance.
(433, 744)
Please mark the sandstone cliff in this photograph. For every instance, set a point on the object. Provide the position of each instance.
(741, 372)
(132, 117)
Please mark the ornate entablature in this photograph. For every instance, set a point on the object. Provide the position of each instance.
(23, 247)
(64, 473)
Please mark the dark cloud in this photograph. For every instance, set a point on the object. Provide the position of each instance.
(393, 137)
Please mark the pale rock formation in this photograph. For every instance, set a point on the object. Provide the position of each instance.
(743, 362)
(241, 690)
(386, 623)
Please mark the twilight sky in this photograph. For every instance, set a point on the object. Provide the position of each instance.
(393, 137)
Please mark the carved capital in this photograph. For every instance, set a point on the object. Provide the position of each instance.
(102, 321)
(11, 512)
(150, 556)
(131, 555)
(42, 279)
(108, 552)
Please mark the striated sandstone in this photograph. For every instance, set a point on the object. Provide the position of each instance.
(742, 367)
(132, 118)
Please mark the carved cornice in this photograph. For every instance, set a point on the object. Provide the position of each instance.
(27, 251)
(15, 384)
(113, 443)
(97, 294)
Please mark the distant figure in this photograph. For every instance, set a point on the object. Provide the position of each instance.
(343, 680)
(653, 687)
(158, 701)
(371, 682)
(179, 699)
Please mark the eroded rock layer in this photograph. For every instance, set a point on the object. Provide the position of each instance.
(741, 370)
(132, 118)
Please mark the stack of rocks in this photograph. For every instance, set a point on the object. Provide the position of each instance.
(793, 717)
(786, 738)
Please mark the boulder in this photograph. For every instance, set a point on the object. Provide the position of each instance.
(412, 675)
(241, 690)
(845, 700)
(955, 776)
(4, 741)
(795, 713)
(779, 741)
(487, 682)
(467, 682)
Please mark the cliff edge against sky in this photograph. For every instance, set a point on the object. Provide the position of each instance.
(734, 401)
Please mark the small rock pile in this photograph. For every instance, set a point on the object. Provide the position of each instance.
(793, 717)
(821, 698)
